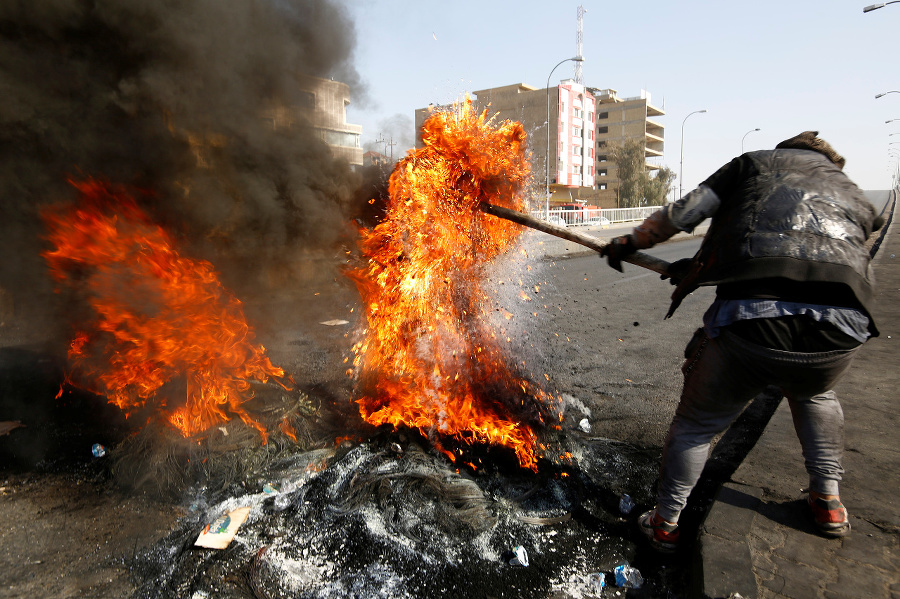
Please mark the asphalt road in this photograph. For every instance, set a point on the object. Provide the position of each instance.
(604, 341)
(594, 334)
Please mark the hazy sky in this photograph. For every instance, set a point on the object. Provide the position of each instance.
(783, 66)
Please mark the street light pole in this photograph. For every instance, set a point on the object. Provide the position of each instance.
(872, 7)
(893, 91)
(547, 190)
(745, 137)
(681, 168)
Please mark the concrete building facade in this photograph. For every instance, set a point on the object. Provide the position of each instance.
(584, 123)
(323, 103)
(620, 119)
(571, 132)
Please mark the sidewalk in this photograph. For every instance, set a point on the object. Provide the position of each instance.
(758, 539)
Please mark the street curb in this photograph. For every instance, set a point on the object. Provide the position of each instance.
(579, 253)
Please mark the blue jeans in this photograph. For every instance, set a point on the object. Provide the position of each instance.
(721, 376)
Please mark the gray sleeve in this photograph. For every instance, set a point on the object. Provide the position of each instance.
(683, 215)
(693, 209)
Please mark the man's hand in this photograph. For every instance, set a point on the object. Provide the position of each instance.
(617, 249)
(678, 270)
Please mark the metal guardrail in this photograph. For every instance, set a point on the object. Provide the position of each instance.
(574, 218)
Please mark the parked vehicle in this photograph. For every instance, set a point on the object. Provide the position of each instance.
(599, 221)
(555, 220)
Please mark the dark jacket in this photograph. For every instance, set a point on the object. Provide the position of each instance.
(783, 221)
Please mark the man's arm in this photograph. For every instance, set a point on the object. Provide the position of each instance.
(683, 215)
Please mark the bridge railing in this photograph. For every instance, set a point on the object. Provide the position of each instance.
(598, 216)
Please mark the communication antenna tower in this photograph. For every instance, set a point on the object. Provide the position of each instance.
(579, 42)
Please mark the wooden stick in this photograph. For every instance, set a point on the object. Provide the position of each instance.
(638, 258)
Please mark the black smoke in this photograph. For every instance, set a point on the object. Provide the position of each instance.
(168, 98)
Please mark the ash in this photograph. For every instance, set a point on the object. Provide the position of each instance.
(392, 518)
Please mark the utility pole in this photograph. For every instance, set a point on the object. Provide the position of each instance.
(386, 143)
(579, 42)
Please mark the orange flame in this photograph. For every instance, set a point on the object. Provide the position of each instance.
(157, 315)
(430, 359)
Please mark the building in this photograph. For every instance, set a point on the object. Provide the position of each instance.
(373, 158)
(323, 103)
(571, 148)
(619, 119)
(584, 123)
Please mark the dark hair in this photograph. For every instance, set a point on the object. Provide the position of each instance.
(808, 140)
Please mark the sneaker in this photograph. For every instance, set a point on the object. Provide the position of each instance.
(663, 535)
(830, 516)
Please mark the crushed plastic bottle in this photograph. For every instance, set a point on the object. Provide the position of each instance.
(585, 425)
(520, 557)
(269, 489)
(98, 450)
(282, 502)
(628, 577)
(626, 504)
(596, 582)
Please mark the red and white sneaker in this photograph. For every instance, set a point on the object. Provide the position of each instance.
(663, 536)
(830, 515)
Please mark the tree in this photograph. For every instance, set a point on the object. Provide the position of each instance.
(636, 186)
(659, 186)
(629, 161)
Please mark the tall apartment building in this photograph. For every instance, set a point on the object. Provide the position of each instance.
(571, 132)
(584, 123)
(324, 104)
(619, 119)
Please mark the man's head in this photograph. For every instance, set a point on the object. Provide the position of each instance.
(808, 140)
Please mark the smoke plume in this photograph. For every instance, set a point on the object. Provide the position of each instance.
(169, 98)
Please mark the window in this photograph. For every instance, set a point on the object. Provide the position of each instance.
(577, 113)
(576, 169)
(602, 129)
(601, 172)
(601, 186)
(341, 138)
(602, 115)
(307, 100)
(601, 158)
(601, 144)
(576, 132)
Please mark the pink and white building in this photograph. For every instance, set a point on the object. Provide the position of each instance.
(575, 116)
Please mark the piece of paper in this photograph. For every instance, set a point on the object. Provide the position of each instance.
(333, 323)
(219, 534)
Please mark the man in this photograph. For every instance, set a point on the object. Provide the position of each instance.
(786, 251)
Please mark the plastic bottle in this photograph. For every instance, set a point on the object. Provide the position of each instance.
(98, 450)
(520, 557)
(628, 577)
(596, 582)
(626, 504)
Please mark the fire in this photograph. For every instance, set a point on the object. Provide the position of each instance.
(430, 358)
(157, 317)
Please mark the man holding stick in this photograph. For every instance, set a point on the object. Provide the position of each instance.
(786, 250)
